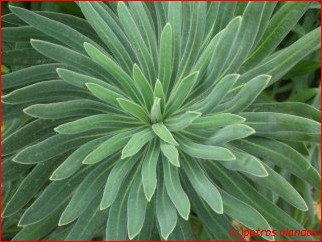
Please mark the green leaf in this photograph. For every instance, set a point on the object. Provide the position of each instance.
(246, 95)
(202, 185)
(165, 64)
(144, 86)
(74, 161)
(54, 90)
(158, 92)
(246, 163)
(50, 147)
(104, 94)
(116, 227)
(54, 195)
(182, 121)
(20, 138)
(66, 109)
(216, 224)
(302, 68)
(225, 15)
(195, 38)
(173, 186)
(112, 145)
(163, 133)
(80, 80)
(38, 230)
(25, 57)
(208, 152)
(144, 22)
(217, 94)
(284, 126)
(222, 52)
(279, 26)
(245, 214)
(171, 153)
(135, 37)
(30, 75)
(134, 109)
(282, 155)
(29, 187)
(280, 63)
(109, 31)
(94, 122)
(182, 231)
(85, 193)
(280, 186)
(156, 114)
(55, 29)
(70, 57)
(136, 208)
(149, 169)
(175, 20)
(120, 77)
(242, 190)
(137, 141)
(181, 92)
(216, 120)
(166, 213)
(294, 108)
(115, 180)
(89, 222)
(231, 132)
(23, 34)
(251, 21)
(12, 170)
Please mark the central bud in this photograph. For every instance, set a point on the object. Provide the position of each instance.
(156, 113)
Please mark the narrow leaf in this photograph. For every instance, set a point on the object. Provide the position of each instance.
(108, 147)
(166, 213)
(136, 208)
(133, 109)
(115, 180)
(182, 121)
(85, 193)
(103, 93)
(231, 132)
(149, 169)
(165, 64)
(137, 141)
(162, 131)
(144, 86)
(202, 185)
(207, 152)
(171, 153)
(181, 92)
(173, 186)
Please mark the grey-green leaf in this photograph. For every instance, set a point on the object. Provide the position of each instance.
(162, 131)
(202, 184)
(136, 208)
(171, 153)
(108, 147)
(174, 189)
(182, 121)
(231, 132)
(137, 141)
(207, 152)
(166, 213)
(134, 109)
(149, 169)
(165, 64)
(115, 181)
(181, 92)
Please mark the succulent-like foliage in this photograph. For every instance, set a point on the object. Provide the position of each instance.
(143, 117)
